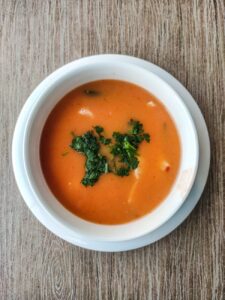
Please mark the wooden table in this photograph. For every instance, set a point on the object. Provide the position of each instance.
(187, 38)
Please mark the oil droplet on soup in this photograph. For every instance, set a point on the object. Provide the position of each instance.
(113, 199)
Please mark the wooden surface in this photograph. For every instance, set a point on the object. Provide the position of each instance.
(187, 38)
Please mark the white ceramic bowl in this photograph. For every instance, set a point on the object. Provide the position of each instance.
(34, 115)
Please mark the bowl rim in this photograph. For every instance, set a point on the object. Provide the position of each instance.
(39, 91)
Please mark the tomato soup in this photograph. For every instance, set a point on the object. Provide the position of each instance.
(112, 199)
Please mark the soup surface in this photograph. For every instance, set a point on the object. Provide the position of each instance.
(112, 199)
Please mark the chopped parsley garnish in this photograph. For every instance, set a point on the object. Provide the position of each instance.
(96, 164)
(125, 148)
(122, 147)
(99, 130)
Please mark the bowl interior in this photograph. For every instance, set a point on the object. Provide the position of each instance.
(59, 84)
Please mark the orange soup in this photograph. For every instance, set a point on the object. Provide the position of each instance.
(112, 199)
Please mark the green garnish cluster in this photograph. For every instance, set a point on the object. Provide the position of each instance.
(96, 164)
(125, 148)
(122, 149)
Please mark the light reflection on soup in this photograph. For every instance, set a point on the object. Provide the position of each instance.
(113, 199)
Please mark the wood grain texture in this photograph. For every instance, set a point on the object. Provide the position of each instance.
(187, 38)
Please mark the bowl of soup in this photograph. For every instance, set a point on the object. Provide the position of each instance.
(110, 151)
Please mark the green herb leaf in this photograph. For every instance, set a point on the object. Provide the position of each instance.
(146, 137)
(98, 129)
(122, 171)
(137, 127)
(104, 140)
